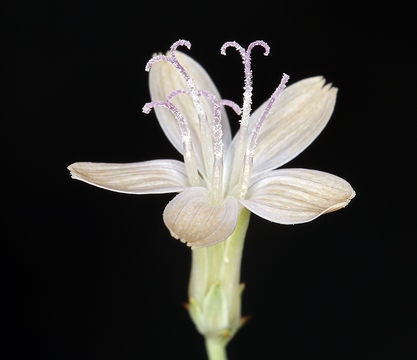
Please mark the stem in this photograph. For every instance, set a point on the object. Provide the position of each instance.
(216, 350)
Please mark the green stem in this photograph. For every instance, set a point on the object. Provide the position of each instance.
(216, 350)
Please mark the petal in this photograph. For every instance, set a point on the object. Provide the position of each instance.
(297, 117)
(292, 196)
(164, 79)
(192, 219)
(148, 177)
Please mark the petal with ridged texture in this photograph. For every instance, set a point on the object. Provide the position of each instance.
(296, 118)
(292, 196)
(148, 177)
(191, 218)
(164, 79)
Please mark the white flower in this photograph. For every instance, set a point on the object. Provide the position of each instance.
(220, 175)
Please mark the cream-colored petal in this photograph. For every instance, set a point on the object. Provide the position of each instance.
(148, 177)
(164, 79)
(296, 118)
(292, 196)
(192, 219)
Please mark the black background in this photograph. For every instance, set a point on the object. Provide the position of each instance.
(91, 274)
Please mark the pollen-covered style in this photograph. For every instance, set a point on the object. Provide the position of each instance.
(220, 175)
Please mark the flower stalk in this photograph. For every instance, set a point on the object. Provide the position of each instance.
(215, 350)
(215, 289)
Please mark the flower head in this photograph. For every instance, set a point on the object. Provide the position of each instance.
(221, 174)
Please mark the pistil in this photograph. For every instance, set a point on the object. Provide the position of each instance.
(216, 179)
(242, 141)
(189, 157)
(205, 132)
(251, 147)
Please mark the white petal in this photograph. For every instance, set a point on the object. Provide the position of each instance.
(192, 219)
(164, 78)
(297, 117)
(292, 196)
(148, 177)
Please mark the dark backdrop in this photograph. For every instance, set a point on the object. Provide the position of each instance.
(91, 274)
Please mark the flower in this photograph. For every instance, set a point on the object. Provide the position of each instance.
(220, 175)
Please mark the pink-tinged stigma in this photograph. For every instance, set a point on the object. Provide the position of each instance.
(172, 59)
(205, 133)
(216, 179)
(189, 157)
(210, 134)
(250, 150)
(255, 132)
(216, 126)
(235, 107)
(246, 58)
(242, 141)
